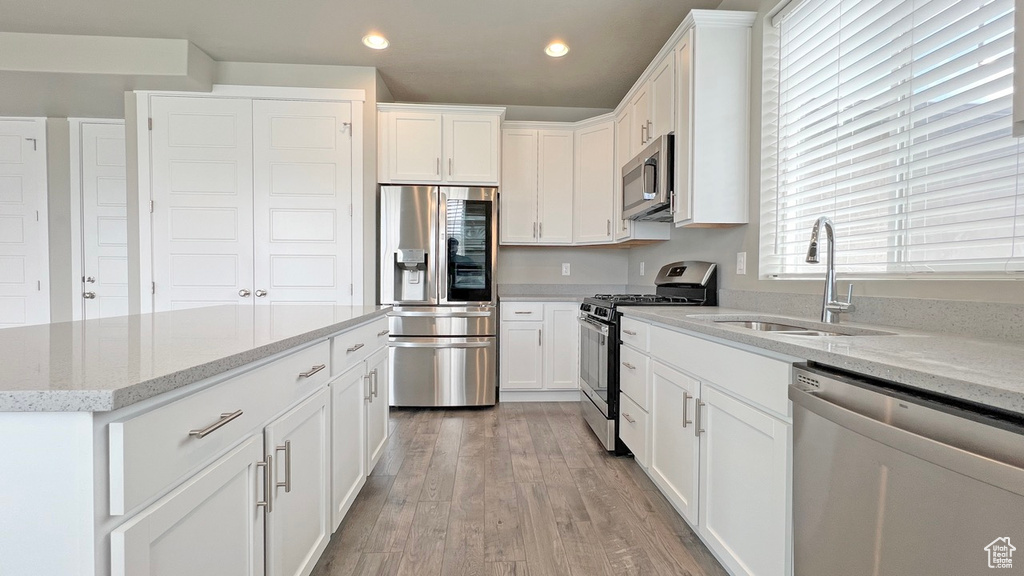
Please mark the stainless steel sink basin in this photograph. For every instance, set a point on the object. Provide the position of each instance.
(791, 330)
(762, 326)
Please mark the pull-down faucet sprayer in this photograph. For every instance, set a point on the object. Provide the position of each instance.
(830, 307)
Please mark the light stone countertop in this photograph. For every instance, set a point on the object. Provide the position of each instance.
(544, 298)
(985, 372)
(106, 364)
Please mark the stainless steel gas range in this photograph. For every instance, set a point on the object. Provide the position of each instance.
(678, 284)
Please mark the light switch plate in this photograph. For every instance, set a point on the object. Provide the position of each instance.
(741, 263)
(565, 268)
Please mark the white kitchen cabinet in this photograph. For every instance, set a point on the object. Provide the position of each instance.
(377, 407)
(675, 454)
(651, 108)
(640, 119)
(537, 185)
(712, 119)
(594, 187)
(298, 513)
(249, 200)
(539, 347)
(208, 526)
(424, 144)
(348, 440)
(743, 485)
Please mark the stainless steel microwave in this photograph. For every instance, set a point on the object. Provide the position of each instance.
(647, 183)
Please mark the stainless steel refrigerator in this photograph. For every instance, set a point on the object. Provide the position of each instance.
(438, 247)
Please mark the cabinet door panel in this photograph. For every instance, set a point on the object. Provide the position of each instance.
(470, 149)
(595, 151)
(348, 440)
(554, 186)
(202, 201)
(302, 190)
(377, 408)
(519, 187)
(674, 444)
(521, 358)
(298, 527)
(743, 485)
(562, 335)
(683, 188)
(623, 228)
(208, 526)
(662, 104)
(414, 153)
(640, 112)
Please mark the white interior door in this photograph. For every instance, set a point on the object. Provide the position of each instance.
(104, 281)
(24, 247)
(202, 201)
(302, 163)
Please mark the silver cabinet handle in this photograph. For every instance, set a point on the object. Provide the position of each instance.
(89, 295)
(355, 347)
(382, 333)
(312, 371)
(438, 165)
(224, 419)
(630, 332)
(89, 279)
(287, 448)
(369, 387)
(540, 232)
(650, 135)
(628, 365)
(539, 334)
(261, 293)
(523, 312)
(449, 166)
(534, 229)
(686, 418)
(609, 227)
(700, 420)
(628, 418)
(244, 293)
(268, 492)
(375, 388)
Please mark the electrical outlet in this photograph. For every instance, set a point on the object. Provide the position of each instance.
(565, 268)
(641, 268)
(741, 263)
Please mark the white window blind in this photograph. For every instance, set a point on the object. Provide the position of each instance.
(893, 118)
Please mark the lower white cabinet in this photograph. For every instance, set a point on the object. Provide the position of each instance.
(539, 349)
(348, 440)
(675, 453)
(298, 511)
(208, 526)
(377, 405)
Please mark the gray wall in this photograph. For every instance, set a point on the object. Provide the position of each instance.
(721, 245)
(543, 265)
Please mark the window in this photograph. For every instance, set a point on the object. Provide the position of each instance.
(893, 118)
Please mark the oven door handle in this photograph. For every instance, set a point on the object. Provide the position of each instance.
(592, 325)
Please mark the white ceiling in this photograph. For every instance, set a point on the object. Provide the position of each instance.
(453, 51)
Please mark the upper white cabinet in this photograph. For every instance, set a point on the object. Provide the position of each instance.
(422, 144)
(651, 109)
(640, 119)
(537, 185)
(712, 119)
(594, 183)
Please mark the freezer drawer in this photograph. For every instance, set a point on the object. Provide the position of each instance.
(442, 371)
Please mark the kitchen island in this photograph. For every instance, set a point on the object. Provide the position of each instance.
(193, 437)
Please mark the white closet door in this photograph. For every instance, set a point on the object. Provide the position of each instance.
(24, 253)
(104, 221)
(302, 163)
(202, 194)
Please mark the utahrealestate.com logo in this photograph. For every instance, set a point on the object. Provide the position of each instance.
(1000, 553)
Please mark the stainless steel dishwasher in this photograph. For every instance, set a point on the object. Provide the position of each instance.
(888, 482)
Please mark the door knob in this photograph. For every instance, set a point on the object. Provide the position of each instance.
(261, 293)
(89, 295)
(243, 293)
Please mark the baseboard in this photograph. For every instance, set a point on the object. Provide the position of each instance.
(539, 396)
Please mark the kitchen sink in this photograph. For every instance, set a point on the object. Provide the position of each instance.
(762, 325)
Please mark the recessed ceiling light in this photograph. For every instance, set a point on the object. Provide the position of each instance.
(557, 49)
(375, 41)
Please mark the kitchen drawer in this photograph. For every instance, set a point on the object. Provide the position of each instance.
(633, 429)
(634, 333)
(757, 379)
(522, 311)
(355, 345)
(149, 452)
(634, 367)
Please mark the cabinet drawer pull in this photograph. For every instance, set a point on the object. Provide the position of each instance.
(700, 419)
(629, 332)
(438, 165)
(368, 378)
(628, 418)
(382, 333)
(686, 409)
(376, 383)
(354, 348)
(313, 370)
(268, 492)
(540, 230)
(628, 365)
(523, 312)
(287, 448)
(224, 419)
(449, 166)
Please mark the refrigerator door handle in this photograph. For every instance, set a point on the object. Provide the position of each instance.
(442, 248)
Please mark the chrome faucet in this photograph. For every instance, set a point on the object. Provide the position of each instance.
(830, 307)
